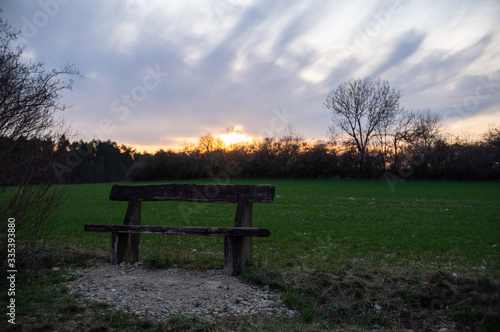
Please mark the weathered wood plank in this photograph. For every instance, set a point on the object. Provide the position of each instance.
(243, 218)
(119, 245)
(132, 217)
(210, 193)
(181, 230)
(232, 255)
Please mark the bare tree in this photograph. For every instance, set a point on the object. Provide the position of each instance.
(30, 96)
(360, 107)
(492, 137)
(426, 129)
(209, 142)
(385, 135)
(290, 134)
(289, 144)
(402, 134)
(492, 141)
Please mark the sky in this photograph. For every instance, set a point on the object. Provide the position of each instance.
(160, 74)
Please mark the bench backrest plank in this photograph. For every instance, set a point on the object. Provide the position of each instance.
(193, 193)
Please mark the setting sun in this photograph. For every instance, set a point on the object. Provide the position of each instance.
(233, 138)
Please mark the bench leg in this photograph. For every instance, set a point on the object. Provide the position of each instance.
(124, 247)
(132, 253)
(246, 250)
(232, 254)
(243, 218)
(118, 247)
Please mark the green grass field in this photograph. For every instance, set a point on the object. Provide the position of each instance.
(317, 224)
(348, 255)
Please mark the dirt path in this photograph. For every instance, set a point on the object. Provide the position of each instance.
(162, 294)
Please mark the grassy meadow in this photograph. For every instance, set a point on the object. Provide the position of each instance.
(317, 224)
(348, 255)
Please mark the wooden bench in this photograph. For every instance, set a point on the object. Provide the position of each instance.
(238, 239)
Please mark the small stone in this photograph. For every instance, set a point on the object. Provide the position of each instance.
(378, 307)
(265, 288)
(56, 268)
(443, 329)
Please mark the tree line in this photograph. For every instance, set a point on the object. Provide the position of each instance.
(291, 156)
(417, 157)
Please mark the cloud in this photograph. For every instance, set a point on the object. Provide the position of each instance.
(405, 47)
(446, 80)
(233, 62)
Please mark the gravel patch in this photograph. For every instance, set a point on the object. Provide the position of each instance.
(162, 294)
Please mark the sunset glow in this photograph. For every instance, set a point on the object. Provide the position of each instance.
(234, 138)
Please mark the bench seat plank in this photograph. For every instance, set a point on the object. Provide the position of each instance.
(180, 230)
